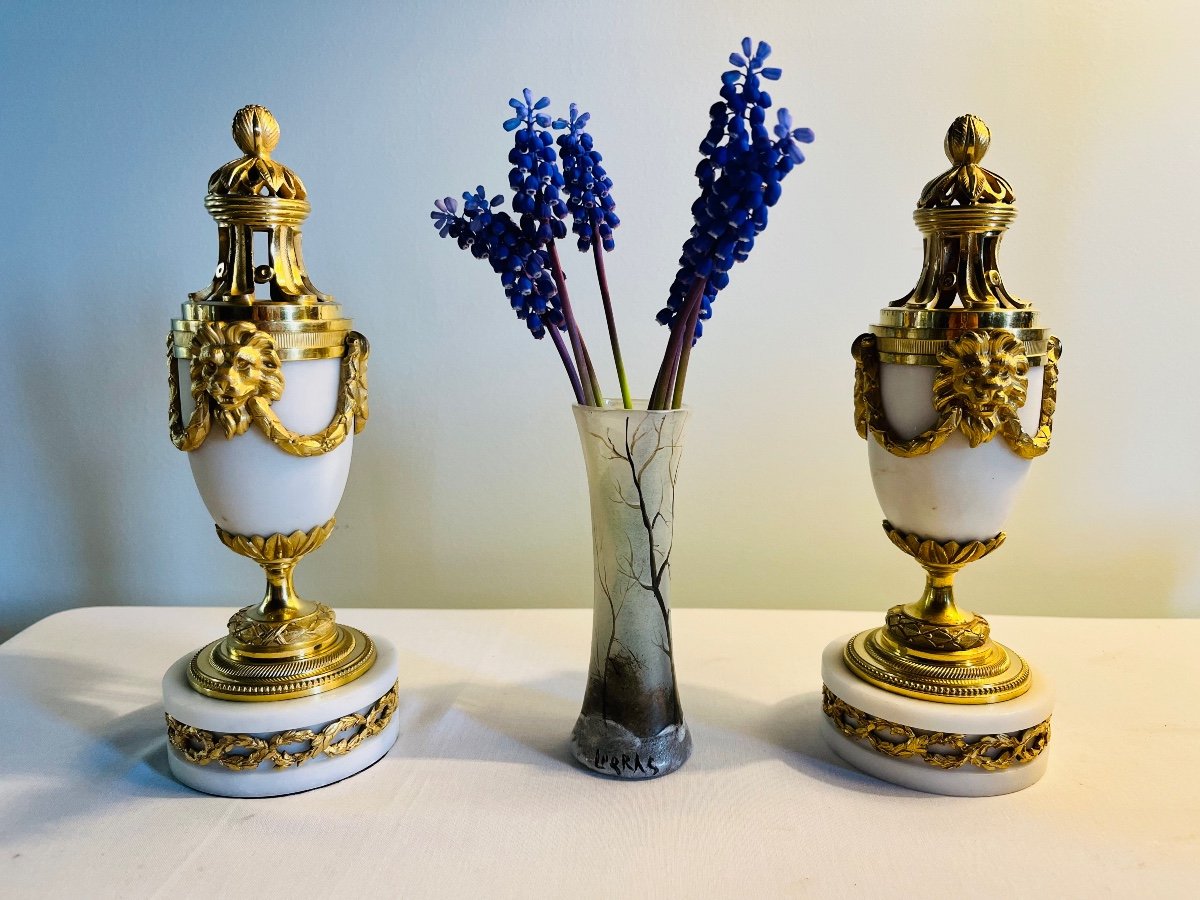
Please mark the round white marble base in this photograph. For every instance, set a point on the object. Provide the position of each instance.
(264, 719)
(1016, 715)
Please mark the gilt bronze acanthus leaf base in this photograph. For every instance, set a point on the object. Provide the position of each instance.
(285, 646)
(931, 649)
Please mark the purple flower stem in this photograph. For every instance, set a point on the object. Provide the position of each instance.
(587, 360)
(593, 381)
(673, 370)
(556, 336)
(689, 341)
(602, 278)
(670, 365)
(560, 280)
(663, 368)
(666, 371)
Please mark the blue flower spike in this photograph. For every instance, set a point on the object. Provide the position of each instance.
(744, 160)
(535, 178)
(593, 215)
(588, 186)
(495, 237)
(740, 176)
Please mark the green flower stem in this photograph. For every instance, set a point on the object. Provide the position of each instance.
(677, 396)
(602, 278)
(560, 281)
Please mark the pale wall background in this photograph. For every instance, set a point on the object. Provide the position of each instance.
(467, 487)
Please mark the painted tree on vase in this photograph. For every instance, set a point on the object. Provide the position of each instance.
(631, 705)
(633, 570)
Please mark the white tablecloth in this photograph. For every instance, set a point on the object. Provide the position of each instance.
(479, 797)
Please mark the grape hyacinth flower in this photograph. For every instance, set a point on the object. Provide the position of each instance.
(535, 178)
(445, 216)
(593, 214)
(536, 182)
(740, 178)
(522, 266)
(743, 163)
(589, 189)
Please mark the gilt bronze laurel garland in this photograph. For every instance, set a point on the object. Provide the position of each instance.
(979, 388)
(236, 374)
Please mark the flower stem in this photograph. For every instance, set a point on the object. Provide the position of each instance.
(602, 278)
(685, 352)
(669, 369)
(663, 372)
(560, 281)
(556, 336)
(666, 371)
(673, 370)
(593, 381)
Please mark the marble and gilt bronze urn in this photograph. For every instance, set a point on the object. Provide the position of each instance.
(954, 393)
(268, 388)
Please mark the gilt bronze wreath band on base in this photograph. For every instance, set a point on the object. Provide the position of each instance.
(942, 750)
(286, 749)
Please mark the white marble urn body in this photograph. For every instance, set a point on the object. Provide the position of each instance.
(252, 487)
(957, 492)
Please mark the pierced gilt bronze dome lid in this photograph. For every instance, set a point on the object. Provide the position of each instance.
(256, 194)
(963, 215)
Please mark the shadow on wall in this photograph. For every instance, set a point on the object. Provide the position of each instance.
(1048, 581)
(79, 503)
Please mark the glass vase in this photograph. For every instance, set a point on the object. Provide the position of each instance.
(631, 725)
